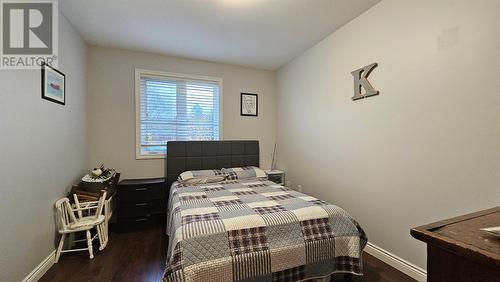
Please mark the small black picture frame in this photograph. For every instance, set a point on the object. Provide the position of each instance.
(249, 104)
(53, 84)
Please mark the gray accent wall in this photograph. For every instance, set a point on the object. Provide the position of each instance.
(428, 147)
(43, 152)
(112, 99)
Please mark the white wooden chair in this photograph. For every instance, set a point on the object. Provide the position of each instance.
(102, 229)
(67, 223)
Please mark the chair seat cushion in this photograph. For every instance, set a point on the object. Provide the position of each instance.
(86, 222)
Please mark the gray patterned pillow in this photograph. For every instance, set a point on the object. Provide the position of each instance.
(243, 172)
(201, 176)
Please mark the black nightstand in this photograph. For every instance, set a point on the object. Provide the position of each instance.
(142, 203)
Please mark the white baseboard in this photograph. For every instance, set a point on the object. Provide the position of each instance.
(391, 259)
(398, 263)
(40, 270)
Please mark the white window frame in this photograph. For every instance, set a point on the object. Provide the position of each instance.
(140, 72)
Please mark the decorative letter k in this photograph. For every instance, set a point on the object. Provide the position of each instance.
(360, 80)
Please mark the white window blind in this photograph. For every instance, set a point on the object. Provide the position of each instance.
(176, 108)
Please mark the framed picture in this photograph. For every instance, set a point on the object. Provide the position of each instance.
(249, 105)
(53, 85)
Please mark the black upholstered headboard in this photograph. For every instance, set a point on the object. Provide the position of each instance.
(195, 155)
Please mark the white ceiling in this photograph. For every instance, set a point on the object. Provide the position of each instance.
(257, 33)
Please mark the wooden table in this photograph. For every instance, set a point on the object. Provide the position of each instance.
(458, 251)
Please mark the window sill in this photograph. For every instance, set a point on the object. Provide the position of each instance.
(150, 157)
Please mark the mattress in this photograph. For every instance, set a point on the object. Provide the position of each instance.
(256, 230)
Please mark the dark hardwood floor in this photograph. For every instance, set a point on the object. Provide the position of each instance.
(140, 256)
(134, 256)
(376, 270)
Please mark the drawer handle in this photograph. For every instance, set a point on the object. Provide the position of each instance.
(141, 204)
(141, 219)
(141, 189)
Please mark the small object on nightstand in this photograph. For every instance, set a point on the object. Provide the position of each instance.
(276, 176)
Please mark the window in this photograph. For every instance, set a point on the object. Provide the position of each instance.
(171, 106)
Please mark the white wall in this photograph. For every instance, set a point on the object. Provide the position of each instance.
(43, 151)
(428, 147)
(111, 104)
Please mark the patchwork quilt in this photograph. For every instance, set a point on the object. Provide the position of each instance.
(256, 230)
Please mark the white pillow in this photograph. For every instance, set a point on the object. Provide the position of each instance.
(201, 176)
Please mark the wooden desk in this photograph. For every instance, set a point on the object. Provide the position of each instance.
(458, 251)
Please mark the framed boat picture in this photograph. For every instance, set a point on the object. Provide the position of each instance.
(249, 105)
(53, 85)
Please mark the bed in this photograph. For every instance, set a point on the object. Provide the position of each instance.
(251, 229)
